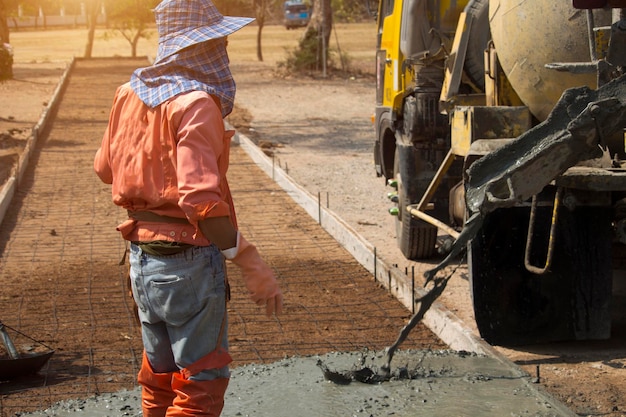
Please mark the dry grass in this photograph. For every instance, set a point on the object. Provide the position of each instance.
(356, 40)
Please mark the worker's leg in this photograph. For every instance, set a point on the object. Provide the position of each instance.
(156, 390)
(158, 366)
(202, 383)
(187, 293)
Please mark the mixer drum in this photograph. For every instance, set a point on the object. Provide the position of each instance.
(529, 34)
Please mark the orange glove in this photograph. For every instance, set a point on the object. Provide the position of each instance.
(258, 276)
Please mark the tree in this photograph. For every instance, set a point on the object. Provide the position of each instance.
(6, 54)
(319, 28)
(131, 19)
(9, 10)
(259, 11)
(262, 8)
(128, 17)
(313, 52)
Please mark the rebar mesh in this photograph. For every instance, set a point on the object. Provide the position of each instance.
(63, 285)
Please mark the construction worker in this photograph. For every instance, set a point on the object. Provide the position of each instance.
(165, 152)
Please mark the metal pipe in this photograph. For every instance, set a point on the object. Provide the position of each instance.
(414, 211)
(531, 227)
(434, 184)
(590, 34)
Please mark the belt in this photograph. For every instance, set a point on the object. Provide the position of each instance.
(149, 216)
(163, 247)
(159, 248)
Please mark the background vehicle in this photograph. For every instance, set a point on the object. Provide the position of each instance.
(297, 14)
(469, 120)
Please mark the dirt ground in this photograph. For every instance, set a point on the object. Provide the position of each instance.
(323, 137)
(317, 130)
(63, 285)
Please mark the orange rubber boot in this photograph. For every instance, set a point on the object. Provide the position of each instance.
(197, 398)
(156, 390)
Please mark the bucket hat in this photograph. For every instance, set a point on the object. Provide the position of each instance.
(183, 23)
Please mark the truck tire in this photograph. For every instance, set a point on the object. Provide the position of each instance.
(479, 38)
(513, 306)
(416, 239)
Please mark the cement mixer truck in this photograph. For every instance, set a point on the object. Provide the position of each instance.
(510, 115)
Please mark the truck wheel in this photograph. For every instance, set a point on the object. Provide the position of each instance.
(416, 239)
(513, 306)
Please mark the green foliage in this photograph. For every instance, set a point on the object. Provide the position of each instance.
(6, 62)
(307, 56)
(350, 11)
(235, 7)
(345, 60)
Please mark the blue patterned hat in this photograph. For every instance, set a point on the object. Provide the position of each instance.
(182, 23)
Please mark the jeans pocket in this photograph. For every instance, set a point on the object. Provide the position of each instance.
(175, 300)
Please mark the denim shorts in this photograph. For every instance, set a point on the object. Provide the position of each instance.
(182, 306)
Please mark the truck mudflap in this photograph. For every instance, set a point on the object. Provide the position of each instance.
(570, 300)
(573, 132)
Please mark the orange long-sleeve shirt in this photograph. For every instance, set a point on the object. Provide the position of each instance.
(170, 160)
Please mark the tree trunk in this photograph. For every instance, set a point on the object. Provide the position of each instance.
(4, 26)
(139, 33)
(260, 9)
(133, 46)
(6, 53)
(259, 50)
(93, 7)
(319, 28)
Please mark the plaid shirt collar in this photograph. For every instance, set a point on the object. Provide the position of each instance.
(201, 67)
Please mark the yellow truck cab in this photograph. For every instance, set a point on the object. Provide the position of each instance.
(412, 135)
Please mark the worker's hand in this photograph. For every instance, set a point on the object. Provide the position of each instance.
(258, 276)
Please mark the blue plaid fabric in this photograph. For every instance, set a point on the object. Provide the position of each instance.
(182, 23)
(201, 67)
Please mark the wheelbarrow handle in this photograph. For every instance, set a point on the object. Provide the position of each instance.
(8, 343)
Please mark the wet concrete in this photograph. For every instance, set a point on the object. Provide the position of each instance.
(441, 383)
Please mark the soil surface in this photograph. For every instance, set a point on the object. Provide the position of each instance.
(323, 136)
(63, 286)
(59, 266)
